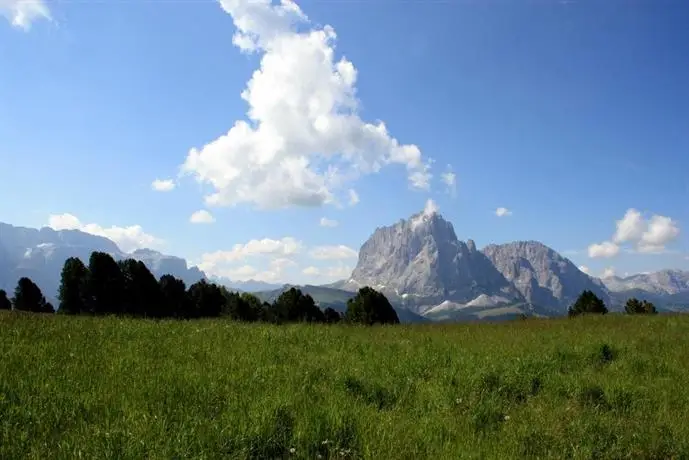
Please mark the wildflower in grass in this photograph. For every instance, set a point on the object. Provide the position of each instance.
(507, 417)
(292, 450)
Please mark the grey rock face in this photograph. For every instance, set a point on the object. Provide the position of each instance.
(422, 257)
(541, 275)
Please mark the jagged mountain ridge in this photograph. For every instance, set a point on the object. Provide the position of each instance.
(421, 262)
(542, 275)
(668, 282)
(668, 289)
(422, 258)
(40, 254)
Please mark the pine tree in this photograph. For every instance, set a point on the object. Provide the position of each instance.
(206, 299)
(72, 290)
(370, 307)
(293, 306)
(332, 316)
(588, 303)
(141, 294)
(105, 286)
(5, 303)
(639, 307)
(174, 297)
(28, 297)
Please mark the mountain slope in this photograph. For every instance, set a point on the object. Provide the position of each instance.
(541, 275)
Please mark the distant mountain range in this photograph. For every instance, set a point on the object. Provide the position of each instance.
(668, 289)
(418, 263)
(245, 286)
(40, 255)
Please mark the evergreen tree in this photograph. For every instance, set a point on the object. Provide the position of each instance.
(588, 303)
(639, 307)
(332, 316)
(28, 297)
(370, 307)
(105, 286)
(49, 308)
(142, 294)
(174, 297)
(206, 299)
(73, 287)
(293, 306)
(237, 307)
(5, 303)
(258, 309)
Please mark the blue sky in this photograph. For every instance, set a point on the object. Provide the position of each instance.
(573, 116)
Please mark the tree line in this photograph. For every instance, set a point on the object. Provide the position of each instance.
(590, 303)
(128, 288)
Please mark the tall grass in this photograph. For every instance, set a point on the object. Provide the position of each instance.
(606, 387)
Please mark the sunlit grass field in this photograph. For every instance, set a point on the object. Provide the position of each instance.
(605, 387)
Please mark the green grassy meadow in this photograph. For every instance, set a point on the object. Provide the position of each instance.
(604, 387)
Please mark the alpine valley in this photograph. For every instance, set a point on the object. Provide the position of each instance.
(426, 272)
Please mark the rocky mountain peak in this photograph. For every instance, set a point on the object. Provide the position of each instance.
(422, 257)
(541, 275)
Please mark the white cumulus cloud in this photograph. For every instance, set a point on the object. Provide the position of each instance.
(163, 185)
(646, 235)
(127, 239)
(304, 138)
(202, 217)
(630, 228)
(659, 232)
(584, 269)
(605, 249)
(325, 222)
(503, 212)
(333, 252)
(22, 13)
(275, 271)
(265, 247)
